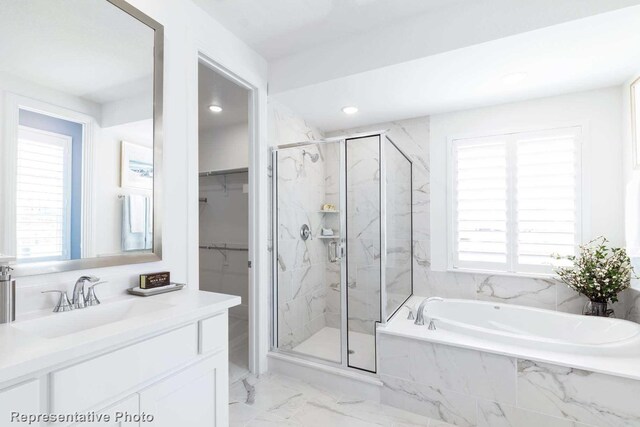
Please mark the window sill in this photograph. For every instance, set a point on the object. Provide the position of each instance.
(544, 276)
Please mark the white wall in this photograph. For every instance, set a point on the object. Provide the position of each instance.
(224, 148)
(598, 111)
(630, 173)
(188, 30)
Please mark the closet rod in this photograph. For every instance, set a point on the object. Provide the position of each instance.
(222, 248)
(224, 172)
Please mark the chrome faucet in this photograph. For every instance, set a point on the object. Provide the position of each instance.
(78, 299)
(420, 313)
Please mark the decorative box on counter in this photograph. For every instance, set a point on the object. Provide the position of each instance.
(154, 280)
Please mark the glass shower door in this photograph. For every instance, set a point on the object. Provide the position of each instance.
(364, 244)
(309, 245)
(343, 246)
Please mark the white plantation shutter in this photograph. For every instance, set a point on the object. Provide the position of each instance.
(480, 183)
(43, 195)
(547, 197)
(515, 200)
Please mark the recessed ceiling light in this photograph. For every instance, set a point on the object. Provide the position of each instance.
(349, 110)
(215, 108)
(514, 78)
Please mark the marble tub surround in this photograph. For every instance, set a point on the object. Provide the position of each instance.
(469, 381)
(578, 395)
(541, 292)
(467, 387)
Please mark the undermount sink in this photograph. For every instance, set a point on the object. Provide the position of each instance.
(60, 324)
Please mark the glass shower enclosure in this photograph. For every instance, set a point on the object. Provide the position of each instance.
(342, 246)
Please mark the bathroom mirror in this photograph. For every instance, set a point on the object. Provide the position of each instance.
(80, 134)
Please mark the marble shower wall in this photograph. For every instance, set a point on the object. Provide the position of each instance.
(303, 186)
(302, 264)
(466, 387)
(413, 138)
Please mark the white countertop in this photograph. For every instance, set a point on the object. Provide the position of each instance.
(23, 353)
(622, 366)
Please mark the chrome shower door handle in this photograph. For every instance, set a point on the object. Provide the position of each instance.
(331, 250)
(335, 250)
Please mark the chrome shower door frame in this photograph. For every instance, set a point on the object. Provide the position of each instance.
(344, 327)
(274, 248)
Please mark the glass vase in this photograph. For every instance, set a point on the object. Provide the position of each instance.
(595, 308)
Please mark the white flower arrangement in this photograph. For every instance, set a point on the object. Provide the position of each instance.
(600, 273)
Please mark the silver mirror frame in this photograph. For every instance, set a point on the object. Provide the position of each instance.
(140, 257)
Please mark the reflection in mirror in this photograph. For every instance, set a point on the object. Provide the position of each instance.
(77, 77)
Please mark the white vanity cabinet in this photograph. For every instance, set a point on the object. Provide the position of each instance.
(172, 377)
(197, 396)
(130, 405)
(24, 398)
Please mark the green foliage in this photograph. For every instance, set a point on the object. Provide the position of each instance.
(598, 272)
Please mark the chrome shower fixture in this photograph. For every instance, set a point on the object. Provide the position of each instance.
(314, 157)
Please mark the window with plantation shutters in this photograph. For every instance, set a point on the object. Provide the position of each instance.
(43, 194)
(515, 200)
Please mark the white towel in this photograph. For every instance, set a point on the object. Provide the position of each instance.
(632, 216)
(137, 213)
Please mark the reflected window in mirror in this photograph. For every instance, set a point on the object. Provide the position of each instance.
(48, 188)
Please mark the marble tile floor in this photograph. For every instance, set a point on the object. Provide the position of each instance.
(277, 400)
(325, 344)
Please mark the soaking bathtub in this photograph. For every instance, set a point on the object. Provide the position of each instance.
(553, 330)
(598, 343)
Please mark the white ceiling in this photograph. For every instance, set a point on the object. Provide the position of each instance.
(600, 51)
(85, 48)
(214, 89)
(277, 28)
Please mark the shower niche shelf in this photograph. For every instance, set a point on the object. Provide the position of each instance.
(328, 237)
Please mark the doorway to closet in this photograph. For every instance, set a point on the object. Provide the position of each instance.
(223, 166)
